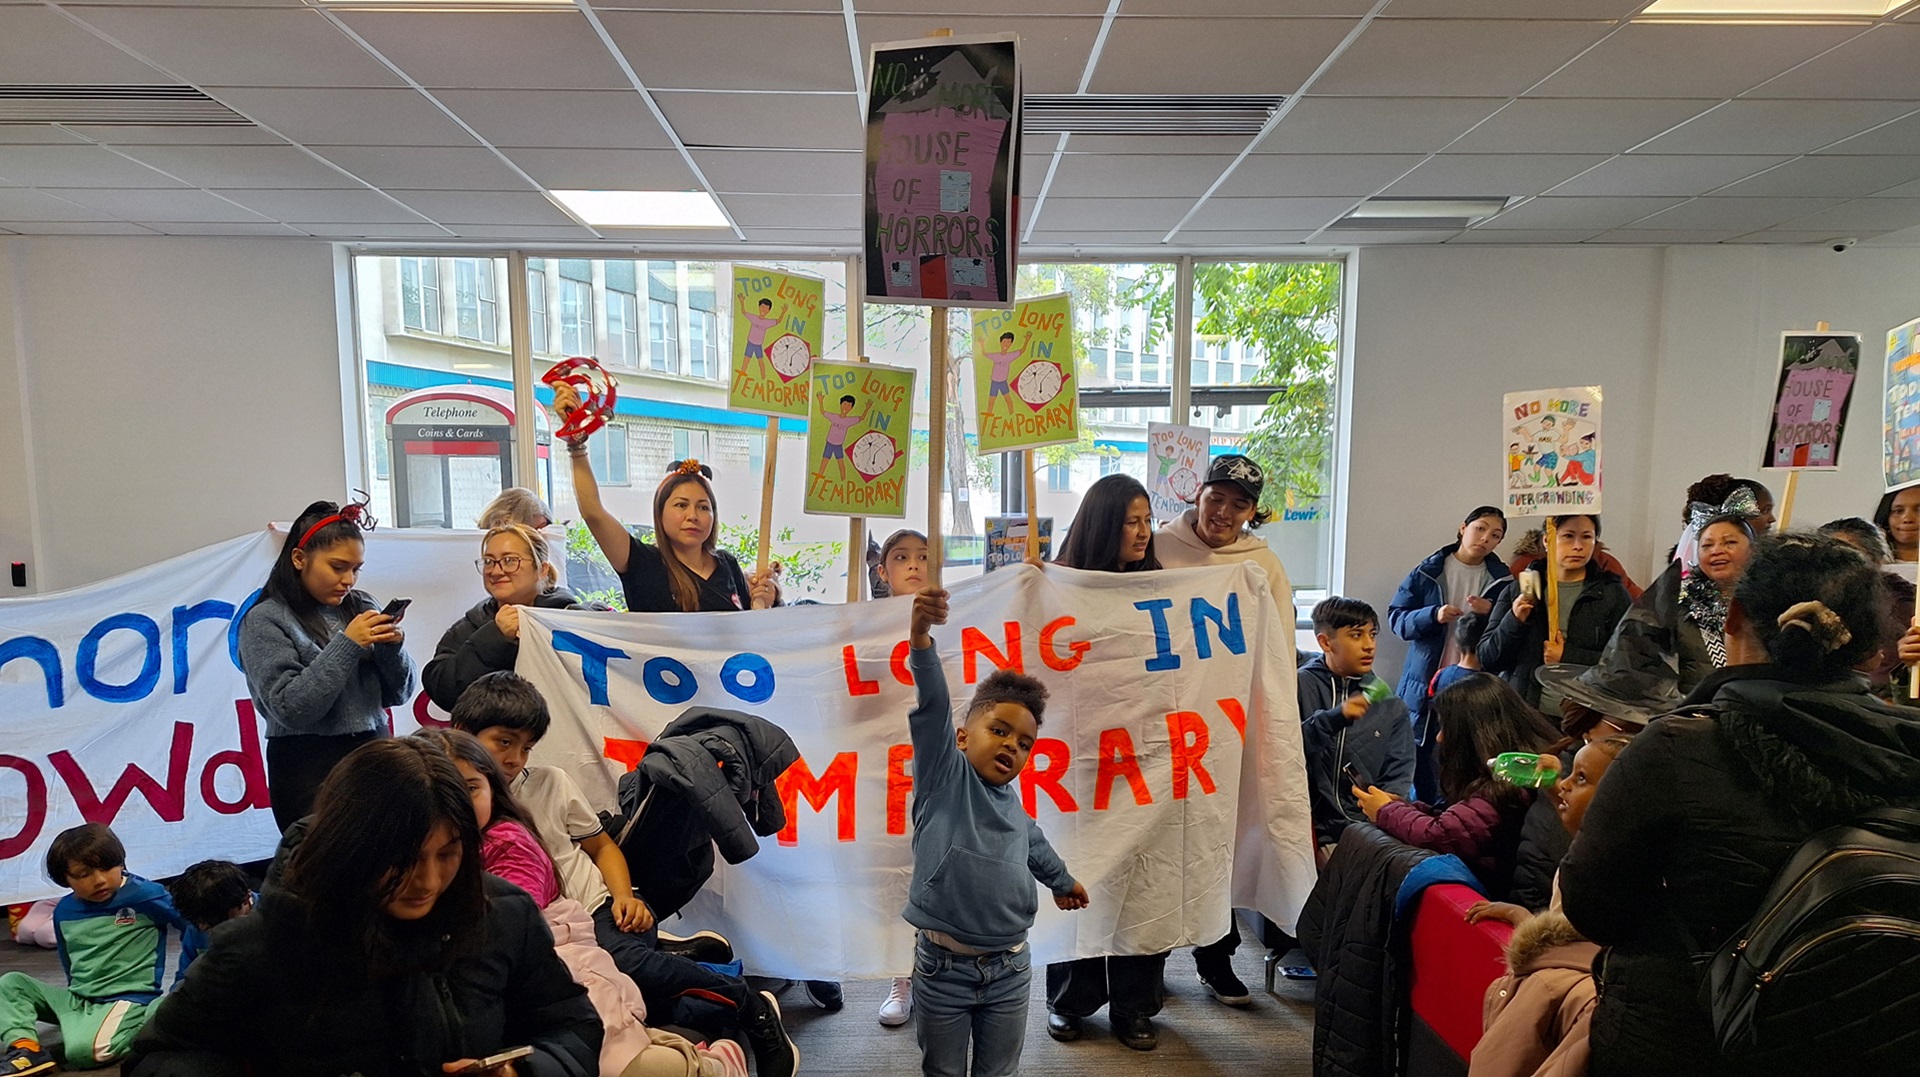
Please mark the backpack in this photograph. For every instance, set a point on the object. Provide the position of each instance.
(1828, 970)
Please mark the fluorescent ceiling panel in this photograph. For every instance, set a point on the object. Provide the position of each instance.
(644, 209)
(1773, 8)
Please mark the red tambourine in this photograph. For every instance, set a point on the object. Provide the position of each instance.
(598, 391)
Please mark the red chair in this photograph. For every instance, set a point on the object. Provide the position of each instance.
(1453, 962)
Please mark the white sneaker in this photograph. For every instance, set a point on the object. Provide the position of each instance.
(899, 1005)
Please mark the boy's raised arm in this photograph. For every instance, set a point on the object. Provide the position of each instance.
(936, 757)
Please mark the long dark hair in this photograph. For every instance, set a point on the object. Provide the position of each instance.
(680, 579)
(283, 580)
(463, 747)
(1093, 542)
(370, 819)
(1482, 716)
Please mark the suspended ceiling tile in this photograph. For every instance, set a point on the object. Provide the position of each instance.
(943, 9)
(1264, 214)
(743, 50)
(596, 170)
(782, 172)
(37, 134)
(241, 166)
(795, 121)
(1735, 214)
(717, 5)
(1169, 145)
(226, 228)
(359, 206)
(473, 208)
(1877, 64)
(1861, 215)
(77, 166)
(39, 45)
(1599, 214)
(345, 117)
(518, 232)
(426, 168)
(1548, 125)
(1202, 239)
(1214, 55)
(1295, 174)
(1663, 237)
(327, 230)
(1264, 9)
(1122, 237)
(794, 211)
(1902, 136)
(1795, 237)
(150, 206)
(1375, 124)
(1053, 52)
(1107, 214)
(1685, 60)
(74, 228)
(559, 118)
(799, 237)
(235, 46)
(124, 135)
(1525, 235)
(1843, 177)
(21, 204)
(1455, 58)
(470, 49)
(1470, 175)
(1513, 9)
(1372, 238)
(1775, 126)
(1100, 175)
(1663, 173)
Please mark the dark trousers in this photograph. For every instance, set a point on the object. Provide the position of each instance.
(1426, 772)
(1130, 986)
(1219, 955)
(678, 991)
(296, 765)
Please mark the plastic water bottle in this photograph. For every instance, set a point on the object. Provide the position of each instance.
(1375, 689)
(1525, 769)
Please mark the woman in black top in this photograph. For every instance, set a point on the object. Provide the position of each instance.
(1518, 640)
(682, 570)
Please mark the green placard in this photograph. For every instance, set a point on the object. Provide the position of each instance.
(858, 434)
(777, 334)
(1026, 382)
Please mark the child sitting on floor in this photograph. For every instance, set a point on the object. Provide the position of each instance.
(209, 894)
(112, 932)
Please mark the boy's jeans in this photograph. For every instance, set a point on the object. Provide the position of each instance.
(957, 999)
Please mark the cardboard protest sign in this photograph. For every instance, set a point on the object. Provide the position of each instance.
(1169, 774)
(1809, 413)
(778, 329)
(858, 434)
(1551, 442)
(943, 149)
(1025, 379)
(1901, 447)
(1007, 540)
(1176, 461)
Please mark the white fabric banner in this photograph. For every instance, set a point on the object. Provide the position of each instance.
(1139, 779)
(123, 703)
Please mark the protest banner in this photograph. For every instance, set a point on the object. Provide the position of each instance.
(1808, 415)
(1551, 446)
(778, 329)
(1900, 451)
(943, 148)
(1007, 541)
(124, 702)
(1026, 382)
(1178, 457)
(858, 436)
(1168, 772)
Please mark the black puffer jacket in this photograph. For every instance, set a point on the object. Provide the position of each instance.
(271, 997)
(1656, 635)
(473, 647)
(1514, 648)
(1689, 827)
(1361, 1015)
(707, 780)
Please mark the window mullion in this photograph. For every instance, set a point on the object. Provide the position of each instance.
(526, 458)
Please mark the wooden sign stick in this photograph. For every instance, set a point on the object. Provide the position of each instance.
(1553, 586)
(936, 442)
(1913, 674)
(766, 491)
(1033, 512)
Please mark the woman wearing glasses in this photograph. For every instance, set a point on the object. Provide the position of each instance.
(518, 571)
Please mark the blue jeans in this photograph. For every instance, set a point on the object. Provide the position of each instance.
(957, 998)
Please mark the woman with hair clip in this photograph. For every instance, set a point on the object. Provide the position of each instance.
(1698, 815)
(682, 570)
(517, 569)
(387, 951)
(323, 660)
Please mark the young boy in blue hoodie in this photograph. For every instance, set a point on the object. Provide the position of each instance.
(112, 933)
(1349, 716)
(975, 852)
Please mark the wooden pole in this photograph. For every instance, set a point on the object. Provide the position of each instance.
(857, 347)
(1553, 585)
(936, 442)
(766, 491)
(1913, 674)
(1033, 511)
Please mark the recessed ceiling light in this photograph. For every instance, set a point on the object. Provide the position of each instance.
(1762, 9)
(644, 209)
(1401, 208)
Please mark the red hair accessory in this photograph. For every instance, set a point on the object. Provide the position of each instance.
(598, 391)
(355, 512)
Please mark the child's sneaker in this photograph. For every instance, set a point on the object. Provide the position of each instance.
(899, 1005)
(21, 1061)
(774, 1053)
(706, 947)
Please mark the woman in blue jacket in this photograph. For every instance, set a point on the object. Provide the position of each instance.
(1451, 582)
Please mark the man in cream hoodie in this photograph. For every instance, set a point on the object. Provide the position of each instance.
(1218, 531)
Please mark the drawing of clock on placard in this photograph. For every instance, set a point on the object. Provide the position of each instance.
(1184, 483)
(790, 357)
(1040, 383)
(873, 454)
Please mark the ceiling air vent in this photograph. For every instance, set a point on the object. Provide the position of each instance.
(142, 106)
(1167, 114)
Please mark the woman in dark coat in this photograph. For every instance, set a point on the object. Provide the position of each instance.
(1518, 640)
(517, 569)
(1697, 816)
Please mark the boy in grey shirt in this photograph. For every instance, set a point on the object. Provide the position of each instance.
(975, 850)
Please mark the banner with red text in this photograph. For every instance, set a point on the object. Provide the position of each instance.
(1168, 772)
(123, 702)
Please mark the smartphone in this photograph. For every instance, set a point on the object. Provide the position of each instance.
(1353, 775)
(509, 1055)
(397, 608)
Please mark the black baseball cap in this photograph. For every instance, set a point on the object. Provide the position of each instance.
(1238, 470)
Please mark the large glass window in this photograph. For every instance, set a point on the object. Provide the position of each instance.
(537, 314)
(420, 294)
(663, 336)
(576, 307)
(623, 314)
(703, 343)
(476, 309)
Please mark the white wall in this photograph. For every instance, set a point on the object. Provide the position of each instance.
(173, 392)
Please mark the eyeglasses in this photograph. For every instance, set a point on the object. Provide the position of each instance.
(509, 564)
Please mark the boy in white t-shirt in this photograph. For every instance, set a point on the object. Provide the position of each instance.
(506, 713)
